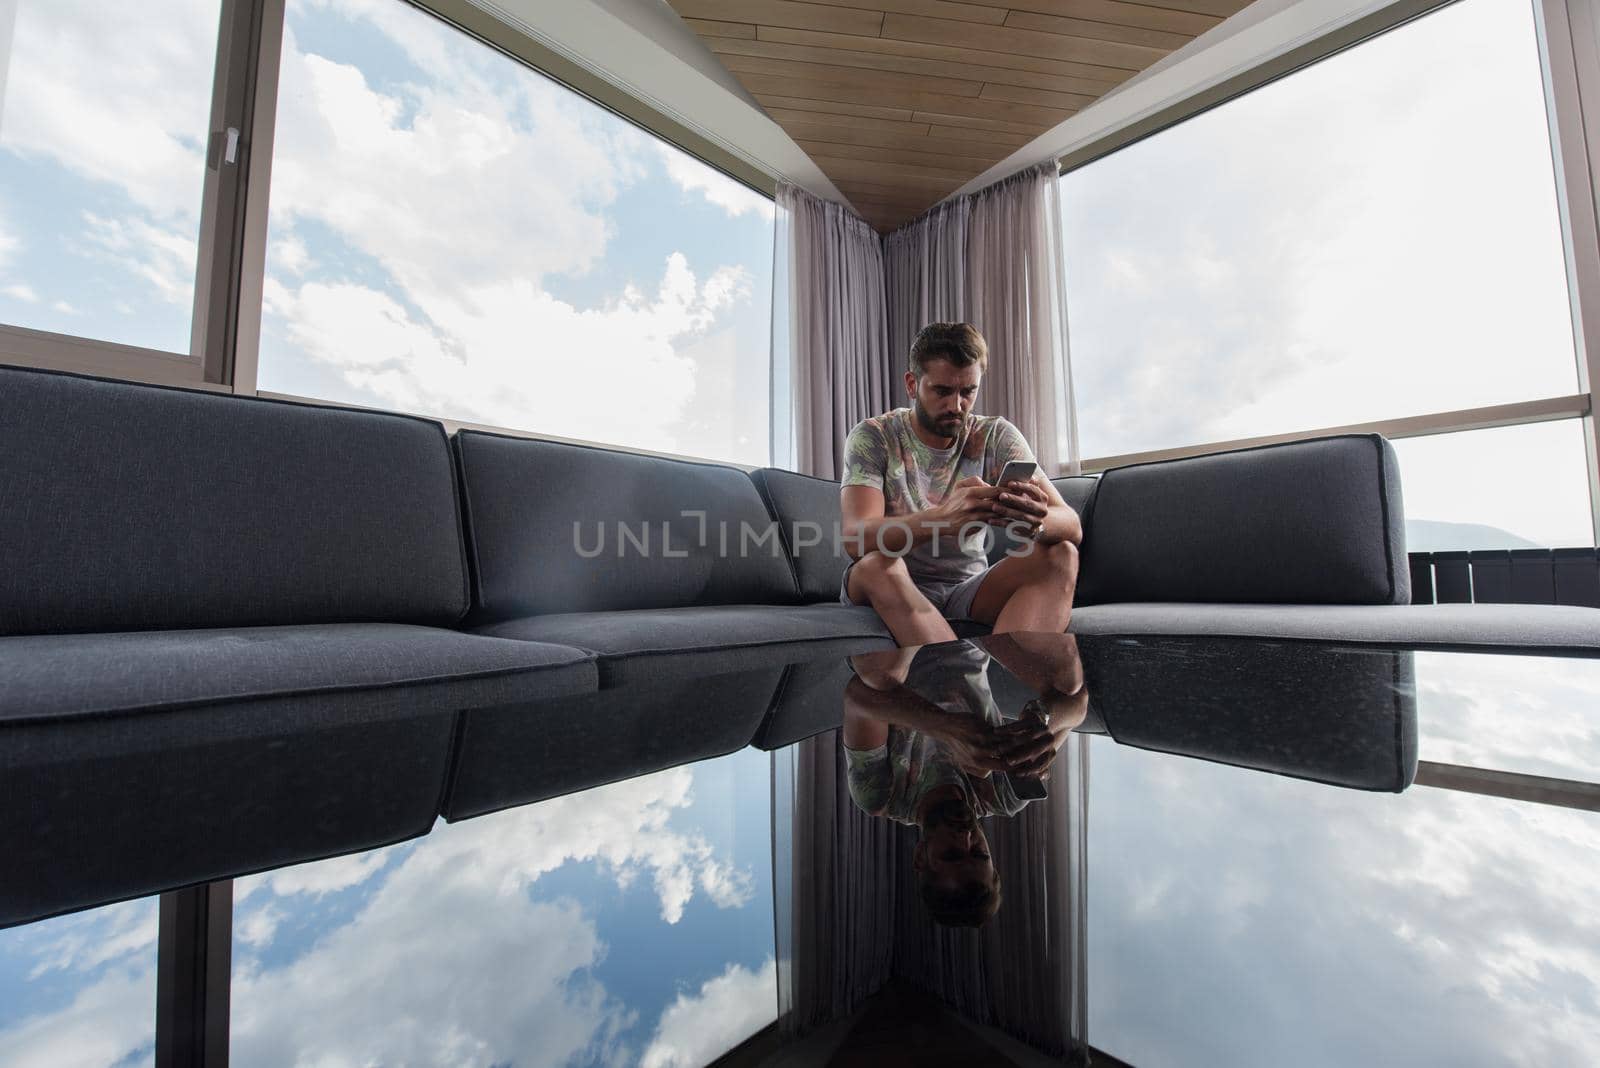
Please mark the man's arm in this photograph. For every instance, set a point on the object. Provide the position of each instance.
(865, 527)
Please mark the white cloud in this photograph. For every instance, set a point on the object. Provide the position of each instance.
(1259, 267)
(510, 354)
(466, 181)
(164, 256)
(104, 1023)
(112, 1014)
(64, 307)
(694, 176)
(118, 93)
(21, 291)
(1429, 927)
(697, 1029)
(404, 981)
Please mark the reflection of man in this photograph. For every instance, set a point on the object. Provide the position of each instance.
(923, 737)
(918, 491)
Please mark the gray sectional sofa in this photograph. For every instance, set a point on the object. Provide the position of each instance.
(164, 548)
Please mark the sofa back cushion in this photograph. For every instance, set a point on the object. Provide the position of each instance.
(132, 507)
(553, 527)
(1307, 522)
(807, 511)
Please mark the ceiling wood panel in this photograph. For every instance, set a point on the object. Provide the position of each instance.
(1128, 57)
(1106, 76)
(890, 154)
(901, 102)
(711, 29)
(988, 151)
(934, 68)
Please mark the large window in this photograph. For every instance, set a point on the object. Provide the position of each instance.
(103, 135)
(453, 234)
(1373, 237)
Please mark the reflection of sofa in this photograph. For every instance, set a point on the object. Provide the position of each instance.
(175, 548)
(1342, 715)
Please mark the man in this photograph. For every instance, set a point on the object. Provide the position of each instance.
(917, 491)
(923, 736)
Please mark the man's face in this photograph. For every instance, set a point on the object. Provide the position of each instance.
(953, 849)
(943, 397)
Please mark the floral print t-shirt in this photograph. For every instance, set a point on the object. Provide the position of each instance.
(885, 453)
(892, 779)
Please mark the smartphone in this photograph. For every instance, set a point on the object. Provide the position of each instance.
(1017, 471)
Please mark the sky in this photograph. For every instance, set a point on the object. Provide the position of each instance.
(626, 925)
(1372, 237)
(1285, 922)
(449, 232)
(453, 234)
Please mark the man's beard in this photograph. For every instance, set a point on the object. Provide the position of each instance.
(932, 425)
(954, 812)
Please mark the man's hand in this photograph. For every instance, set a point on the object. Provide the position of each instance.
(1036, 503)
(975, 745)
(972, 500)
(1021, 501)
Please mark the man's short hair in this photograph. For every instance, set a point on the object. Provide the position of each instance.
(969, 905)
(960, 343)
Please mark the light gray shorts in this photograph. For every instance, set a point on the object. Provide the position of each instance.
(952, 601)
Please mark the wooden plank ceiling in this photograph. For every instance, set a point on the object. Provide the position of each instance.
(900, 102)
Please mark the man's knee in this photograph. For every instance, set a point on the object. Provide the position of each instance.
(1060, 563)
(881, 577)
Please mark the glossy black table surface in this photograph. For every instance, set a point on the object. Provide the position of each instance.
(1237, 853)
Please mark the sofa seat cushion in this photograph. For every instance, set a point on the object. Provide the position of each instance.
(388, 664)
(707, 639)
(1534, 628)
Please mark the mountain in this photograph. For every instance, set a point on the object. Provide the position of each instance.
(1431, 535)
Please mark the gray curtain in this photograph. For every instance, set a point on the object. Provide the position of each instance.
(995, 259)
(925, 275)
(848, 915)
(829, 342)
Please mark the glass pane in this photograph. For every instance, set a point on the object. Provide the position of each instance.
(453, 234)
(629, 924)
(1530, 715)
(1372, 237)
(80, 989)
(1507, 488)
(103, 130)
(1239, 918)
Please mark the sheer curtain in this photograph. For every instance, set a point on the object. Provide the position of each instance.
(829, 343)
(925, 274)
(1016, 295)
(994, 259)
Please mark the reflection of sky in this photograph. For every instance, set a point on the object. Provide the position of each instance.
(1240, 918)
(1538, 716)
(80, 989)
(628, 924)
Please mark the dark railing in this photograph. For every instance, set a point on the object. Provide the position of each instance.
(1507, 576)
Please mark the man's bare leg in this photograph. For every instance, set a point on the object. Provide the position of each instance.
(1032, 592)
(884, 582)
